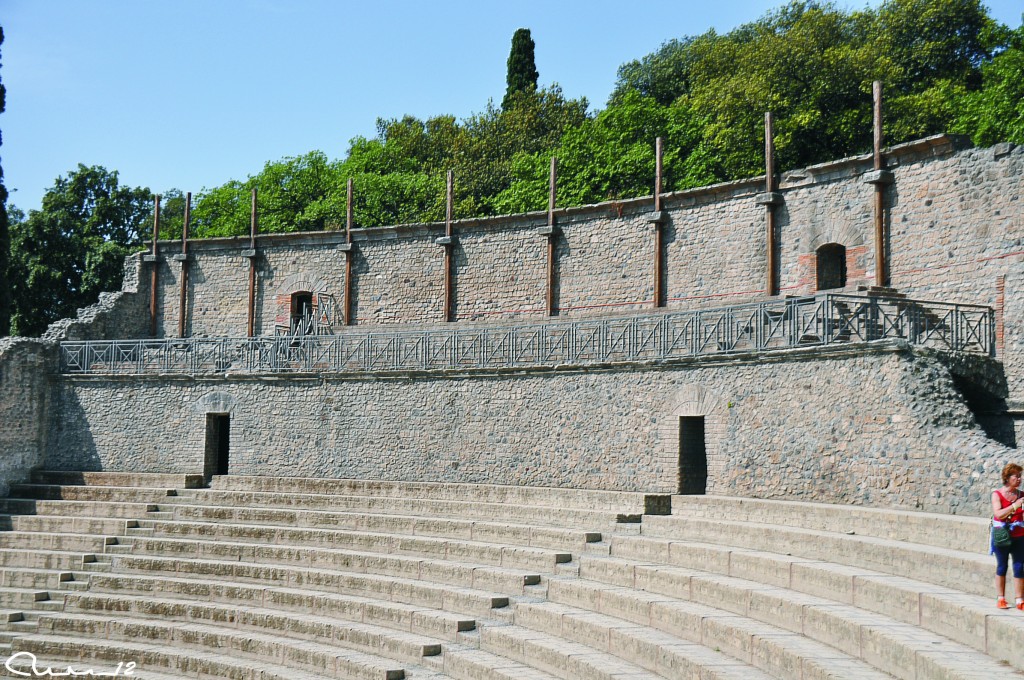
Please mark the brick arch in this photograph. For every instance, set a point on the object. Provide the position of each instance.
(301, 281)
(853, 237)
(846, 233)
(216, 402)
(693, 400)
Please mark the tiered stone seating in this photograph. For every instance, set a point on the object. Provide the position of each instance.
(260, 578)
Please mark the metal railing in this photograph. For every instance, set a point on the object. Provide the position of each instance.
(778, 324)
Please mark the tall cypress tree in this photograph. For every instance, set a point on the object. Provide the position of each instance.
(522, 69)
(5, 236)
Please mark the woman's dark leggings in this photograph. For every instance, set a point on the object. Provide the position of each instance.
(1016, 549)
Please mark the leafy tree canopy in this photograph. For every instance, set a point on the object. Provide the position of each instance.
(73, 248)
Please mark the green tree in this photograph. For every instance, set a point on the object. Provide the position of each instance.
(73, 248)
(812, 65)
(612, 156)
(522, 73)
(995, 113)
(532, 123)
(663, 75)
(5, 235)
(297, 193)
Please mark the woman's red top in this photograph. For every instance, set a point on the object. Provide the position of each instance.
(1015, 517)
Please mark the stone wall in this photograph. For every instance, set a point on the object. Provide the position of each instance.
(874, 424)
(954, 214)
(24, 395)
(29, 366)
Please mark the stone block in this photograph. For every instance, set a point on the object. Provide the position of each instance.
(878, 177)
(769, 198)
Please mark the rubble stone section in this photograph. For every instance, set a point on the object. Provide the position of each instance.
(874, 424)
(27, 367)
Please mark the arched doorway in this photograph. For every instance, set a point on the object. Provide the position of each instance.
(831, 266)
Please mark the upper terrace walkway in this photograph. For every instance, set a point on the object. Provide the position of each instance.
(823, 319)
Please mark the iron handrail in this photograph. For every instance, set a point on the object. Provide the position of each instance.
(823, 319)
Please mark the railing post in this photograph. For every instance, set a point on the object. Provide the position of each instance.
(991, 315)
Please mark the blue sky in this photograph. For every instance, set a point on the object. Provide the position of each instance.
(193, 93)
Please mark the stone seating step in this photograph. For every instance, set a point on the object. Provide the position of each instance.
(111, 494)
(65, 560)
(557, 656)
(68, 508)
(970, 620)
(394, 615)
(208, 663)
(780, 653)
(155, 480)
(455, 599)
(13, 597)
(330, 656)
(594, 519)
(954, 532)
(476, 664)
(67, 524)
(554, 538)
(911, 651)
(652, 649)
(177, 555)
(561, 498)
(35, 666)
(235, 620)
(27, 577)
(969, 572)
(517, 557)
(53, 541)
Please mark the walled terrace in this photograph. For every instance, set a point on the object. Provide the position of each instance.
(610, 387)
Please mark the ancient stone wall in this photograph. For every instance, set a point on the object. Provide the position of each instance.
(24, 395)
(28, 367)
(883, 420)
(871, 424)
(954, 215)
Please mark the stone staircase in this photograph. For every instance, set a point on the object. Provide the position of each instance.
(262, 578)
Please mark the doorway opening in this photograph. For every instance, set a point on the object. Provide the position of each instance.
(302, 313)
(693, 456)
(831, 266)
(218, 444)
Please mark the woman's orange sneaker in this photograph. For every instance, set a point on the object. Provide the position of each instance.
(1001, 603)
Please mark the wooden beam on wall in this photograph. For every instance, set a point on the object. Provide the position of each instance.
(183, 258)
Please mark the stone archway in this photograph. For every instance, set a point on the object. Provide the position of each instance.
(690, 438)
(300, 298)
(217, 409)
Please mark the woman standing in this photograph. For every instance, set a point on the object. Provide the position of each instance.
(1007, 504)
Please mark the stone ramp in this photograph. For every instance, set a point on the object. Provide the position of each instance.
(466, 581)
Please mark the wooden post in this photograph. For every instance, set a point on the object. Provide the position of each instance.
(347, 309)
(448, 247)
(183, 293)
(659, 232)
(552, 235)
(881, 273)
(772, 278)
(252, 269)
(156, 267)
